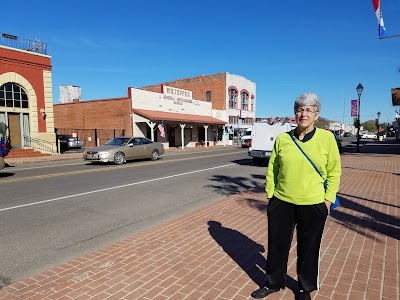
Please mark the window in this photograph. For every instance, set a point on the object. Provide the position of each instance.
(233, 119)
(232, 98)
(208, 96)
(245, 100)
(252, 103)
(146, 141)
(136, 141)
(13, 95)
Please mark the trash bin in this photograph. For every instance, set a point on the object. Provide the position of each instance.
(380, 138)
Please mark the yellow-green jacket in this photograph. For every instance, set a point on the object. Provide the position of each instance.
(292, 178)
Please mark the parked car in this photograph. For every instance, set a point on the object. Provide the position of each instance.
(3, 153)
(2, 162)
(119, 150)
(69, 142)
(347, 134)
(339, 142)
(369, 135)
(3, 148)
(245, 140)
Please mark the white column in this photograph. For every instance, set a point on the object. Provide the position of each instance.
(182, 134)
(224, 135)
(151, 125)
(205, 132)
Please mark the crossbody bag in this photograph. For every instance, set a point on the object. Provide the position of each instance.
(336, 203)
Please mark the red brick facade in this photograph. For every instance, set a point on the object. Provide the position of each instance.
(199, 86)
(31, 67)
(101, 114)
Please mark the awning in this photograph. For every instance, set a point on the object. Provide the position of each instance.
(167, 116)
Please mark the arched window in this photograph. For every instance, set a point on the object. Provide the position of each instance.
(245, 100)
(13, 95)
(232, 97)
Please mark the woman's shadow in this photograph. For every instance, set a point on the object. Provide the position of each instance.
(245, 252)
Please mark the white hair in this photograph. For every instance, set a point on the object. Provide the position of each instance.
(308, 99)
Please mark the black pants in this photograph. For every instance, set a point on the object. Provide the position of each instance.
(309, 221)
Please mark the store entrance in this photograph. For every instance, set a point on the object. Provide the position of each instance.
(202, 134)
(171, 136)
(14, 128)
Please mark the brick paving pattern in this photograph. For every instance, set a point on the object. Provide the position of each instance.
(218, 252)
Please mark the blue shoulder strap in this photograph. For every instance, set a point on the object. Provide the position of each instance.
(302, 151)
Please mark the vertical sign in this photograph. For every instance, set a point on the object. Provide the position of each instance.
(354, 108)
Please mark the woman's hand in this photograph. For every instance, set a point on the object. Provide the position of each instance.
(328, 206)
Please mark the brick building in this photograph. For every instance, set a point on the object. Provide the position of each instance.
(193, 111)
(233, 97)
(26, 101)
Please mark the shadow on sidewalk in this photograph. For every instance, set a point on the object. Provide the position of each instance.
(367, 218)
(229, 185)
(245, 252)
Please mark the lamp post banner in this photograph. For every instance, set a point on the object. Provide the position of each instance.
(354, 108)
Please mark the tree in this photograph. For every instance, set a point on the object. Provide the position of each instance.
(369, 125)
(323, 123)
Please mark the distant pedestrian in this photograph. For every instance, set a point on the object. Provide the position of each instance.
(299, 198)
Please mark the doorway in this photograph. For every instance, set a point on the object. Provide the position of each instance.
(171, 136)
(202, 134)
(14, 127)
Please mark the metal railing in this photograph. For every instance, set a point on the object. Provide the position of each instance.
(40, 145)
(13, 41)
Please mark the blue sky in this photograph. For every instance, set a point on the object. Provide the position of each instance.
(286, 47)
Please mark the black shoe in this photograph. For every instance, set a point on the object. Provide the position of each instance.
(263, 292)
(303, 296)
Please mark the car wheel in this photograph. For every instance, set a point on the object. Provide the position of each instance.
(119, 158)
(154, 155)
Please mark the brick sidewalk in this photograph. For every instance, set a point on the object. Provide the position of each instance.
(192, 257)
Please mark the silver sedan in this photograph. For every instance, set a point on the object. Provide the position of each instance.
(119, 150)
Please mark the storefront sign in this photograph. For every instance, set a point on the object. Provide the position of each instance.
(179, 96)
(179, 93)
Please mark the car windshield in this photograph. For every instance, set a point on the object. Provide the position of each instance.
(117, 142)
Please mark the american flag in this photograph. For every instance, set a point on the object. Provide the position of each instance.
(161, 128)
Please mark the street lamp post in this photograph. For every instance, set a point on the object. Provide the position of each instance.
(377, 124)
(359, 89)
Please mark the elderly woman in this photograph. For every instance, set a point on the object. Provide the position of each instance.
(298, 198)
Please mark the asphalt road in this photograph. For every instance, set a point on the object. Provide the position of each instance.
(53, 212)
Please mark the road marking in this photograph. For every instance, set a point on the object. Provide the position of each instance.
(112, 188)
(44, 167)
(85, 162)
(112, 167)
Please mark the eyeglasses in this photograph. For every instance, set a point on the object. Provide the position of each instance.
(307, 111)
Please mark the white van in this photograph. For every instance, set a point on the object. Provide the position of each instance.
(263, 139)
(245, 140)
